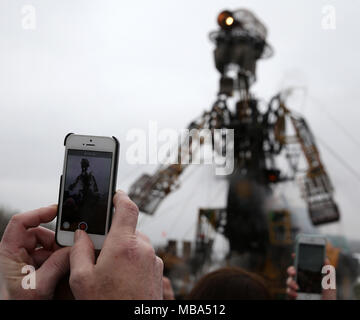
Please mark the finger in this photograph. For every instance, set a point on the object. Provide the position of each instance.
(166, 282)
(159, 272)
(52, 270)
(17, 235)
(44, 237)
(143, 236)
(125, 216)
(159, 266)
(32, 218)
(291, 293)
(168, 293)
(31, 238)
(291, 283)
(291, 271)
(82, 254)
(40, 255)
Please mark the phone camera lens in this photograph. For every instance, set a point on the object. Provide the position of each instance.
(90, 140)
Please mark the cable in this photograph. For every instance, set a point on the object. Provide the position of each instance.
(192, 195)
(336, 122)
(340, 159)
(344, 130)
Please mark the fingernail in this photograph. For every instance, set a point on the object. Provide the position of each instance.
(77, 234)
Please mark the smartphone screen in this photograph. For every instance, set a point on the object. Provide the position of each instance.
(310, 263)
(86, 191)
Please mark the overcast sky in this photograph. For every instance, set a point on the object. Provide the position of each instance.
(104, 67)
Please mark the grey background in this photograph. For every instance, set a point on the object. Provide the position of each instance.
(104, 67)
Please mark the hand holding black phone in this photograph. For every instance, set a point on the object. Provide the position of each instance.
(87, 186)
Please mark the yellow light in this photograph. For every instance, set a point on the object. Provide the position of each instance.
(229, 21)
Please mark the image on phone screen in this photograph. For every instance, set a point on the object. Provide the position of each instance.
(310, 263)
(86, 191)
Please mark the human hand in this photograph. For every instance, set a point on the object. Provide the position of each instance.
(168, 292)
(127, 266)
(25, 242)
(292, 287)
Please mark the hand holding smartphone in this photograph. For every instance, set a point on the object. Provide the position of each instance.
(87, 186)
(310, 257)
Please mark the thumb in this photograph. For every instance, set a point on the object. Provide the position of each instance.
(82, 254)
(53, 269)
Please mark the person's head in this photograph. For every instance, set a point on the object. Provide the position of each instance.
(230, 283)
(84, 164)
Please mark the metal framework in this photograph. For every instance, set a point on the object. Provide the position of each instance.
(260, 136)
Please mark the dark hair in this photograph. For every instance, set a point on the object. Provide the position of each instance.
(230, 283)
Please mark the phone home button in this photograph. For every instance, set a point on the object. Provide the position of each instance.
(83, 226)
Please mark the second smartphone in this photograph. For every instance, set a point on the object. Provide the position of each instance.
(87, 186)
(310, 257)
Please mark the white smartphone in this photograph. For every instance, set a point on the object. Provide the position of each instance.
(87, 186)
(310, 257)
